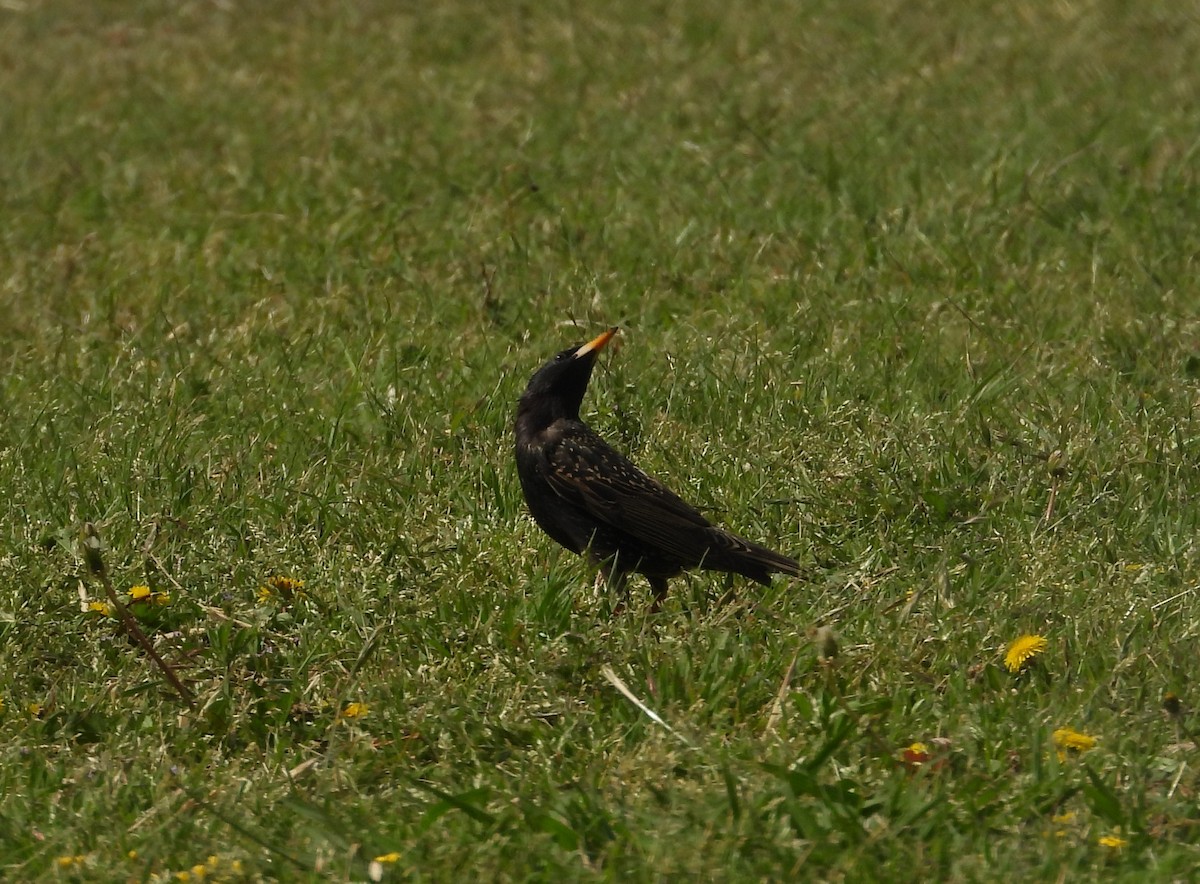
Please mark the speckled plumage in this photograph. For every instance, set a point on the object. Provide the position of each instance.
(594, 501)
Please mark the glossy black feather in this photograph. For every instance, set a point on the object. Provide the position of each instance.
(592, 499)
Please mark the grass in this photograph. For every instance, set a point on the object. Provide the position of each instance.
(907, 291)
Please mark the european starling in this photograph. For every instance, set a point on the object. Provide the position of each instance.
(595, 502)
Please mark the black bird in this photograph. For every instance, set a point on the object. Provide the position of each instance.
(594, 501)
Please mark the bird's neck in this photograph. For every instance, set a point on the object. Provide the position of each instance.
(537, 415)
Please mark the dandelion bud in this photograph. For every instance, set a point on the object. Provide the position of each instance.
(91, 549)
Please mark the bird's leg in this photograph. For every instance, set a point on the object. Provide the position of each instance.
(659, 585)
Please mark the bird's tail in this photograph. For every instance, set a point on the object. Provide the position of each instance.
(728, 552)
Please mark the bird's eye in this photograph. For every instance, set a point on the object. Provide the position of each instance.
(563, 356)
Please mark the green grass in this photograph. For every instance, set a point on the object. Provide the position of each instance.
(908, 291)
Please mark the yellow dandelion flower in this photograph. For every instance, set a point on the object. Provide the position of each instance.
(199, 871)
(35, 709)
(1116, 842)
(1068, 740)
(356, 710)
(1022, 650)
(388, 857)
(1, 704)
(132, 854)
(183, 876)
(278, 586)
(1062, 819)
(142, 594)
(101, 608)
(66, 862)
(285, 585)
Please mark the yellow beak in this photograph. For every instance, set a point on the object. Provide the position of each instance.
(596, 343)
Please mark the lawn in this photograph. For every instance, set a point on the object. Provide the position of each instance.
(907, 291)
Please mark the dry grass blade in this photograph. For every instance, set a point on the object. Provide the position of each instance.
(616, 682)
(781, 696)
(95, 562)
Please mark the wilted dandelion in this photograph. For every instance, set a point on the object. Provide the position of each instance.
(1172, 704)
(915, 755)
(826, 641)
(932, 756)
(1022, 650)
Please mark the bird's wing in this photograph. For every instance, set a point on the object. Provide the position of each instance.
(585, 470)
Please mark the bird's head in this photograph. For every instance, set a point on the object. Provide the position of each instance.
(556, 389)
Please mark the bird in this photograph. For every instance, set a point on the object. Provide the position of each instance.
(591, 499)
